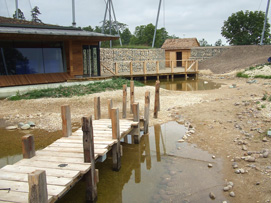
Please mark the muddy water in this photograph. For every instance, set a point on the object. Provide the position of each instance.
(159, 169)
(180, 84)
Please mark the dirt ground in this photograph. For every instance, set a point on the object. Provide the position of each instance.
(229, 122)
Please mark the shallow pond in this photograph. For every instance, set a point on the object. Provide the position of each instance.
(180, 84)
(159, 169)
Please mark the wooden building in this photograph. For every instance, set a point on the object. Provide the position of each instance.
(179, 50)
(32, 53)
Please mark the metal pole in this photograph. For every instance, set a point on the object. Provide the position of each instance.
(17, 8)
(116, 23)
(110, 21)
(105, 13)
(266, 14)
(73, 13)
(159, 7)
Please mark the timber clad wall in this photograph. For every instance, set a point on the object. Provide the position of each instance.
(124, 56)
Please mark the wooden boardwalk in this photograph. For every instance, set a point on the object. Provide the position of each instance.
(63, 162)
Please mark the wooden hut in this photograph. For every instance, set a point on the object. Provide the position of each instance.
(178, 50)
(33, 53)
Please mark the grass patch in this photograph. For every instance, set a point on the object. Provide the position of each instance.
(242, 75)
(76, 90)
(257, 67)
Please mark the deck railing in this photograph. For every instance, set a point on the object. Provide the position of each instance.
(150, 67)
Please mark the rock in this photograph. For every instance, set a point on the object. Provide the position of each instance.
(181, 140)
(184, 137)
(265, 154)
(11, 128)
(234, 165)
(265, 139)
(244, 148)
(232, 194)
(210, 165)
(213, 157)
(20, 124)
(225, 189)
(32, 124)
(25, 127)
(230, 183)
(242, 171)
(237, 171)
(237, 159)
(212, 195)
(251, 159)
(258, 183)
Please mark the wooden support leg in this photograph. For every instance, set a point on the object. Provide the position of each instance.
(146, 112)
(116, 149)
(66, 121)
(124, 102)
(97, 108)
(132, 95)
(88, 146)
(157, 99)
(37, 187)
(110, 106)
(136, 131)
(28, 146)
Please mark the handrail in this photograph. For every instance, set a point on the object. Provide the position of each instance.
(108, 69)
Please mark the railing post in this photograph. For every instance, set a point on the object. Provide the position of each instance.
(28, 146)
(97, 108)
(146, 112)
(132, 95)
(110, 106)
(157, 99)
(124, 102)
(197, 65)
(116, 68)
(37, 187)
(131, 68)
(186, 65)
(88, 146)
(144, 67)
(66, 121)
(157, 67)
(136, 131)
(171, 66)
(116, 149)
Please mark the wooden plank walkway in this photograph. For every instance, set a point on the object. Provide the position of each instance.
(63, 162)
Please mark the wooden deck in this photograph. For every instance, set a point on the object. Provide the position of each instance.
(63, 162)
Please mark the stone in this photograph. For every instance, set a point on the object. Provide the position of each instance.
(32, 124)
(237, 159)
(181, 140)
(237, 171)
(244, 148)
(232, 194)
(234, 165)
(242, 171)
(230, 183)
(11, 127)
(213, 157)
(26, 127)
(184, 137)
(210, 165)
(20, 124)
(265, 154)
(225, 189)
(251, 159)
(265, 139)
(212, 195)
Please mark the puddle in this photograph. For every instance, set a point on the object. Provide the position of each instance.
(159, 169)
(180, 84)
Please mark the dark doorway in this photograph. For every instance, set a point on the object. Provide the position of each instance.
(91, 61)
(179, 57)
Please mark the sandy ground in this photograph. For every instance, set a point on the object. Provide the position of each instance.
(229, 122)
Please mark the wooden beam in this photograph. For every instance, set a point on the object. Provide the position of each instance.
(157, 67)
(28, 146)
(97, 108)
(146, 112)
(136, 130)
(124, 101)
(157, 98)
(135, 112)
(37, 187)
(110, 106)
(116, 149)
(131, 68)
(88, 146)
(132, 95)
(66, 121)
(116, 68)
(144, 67)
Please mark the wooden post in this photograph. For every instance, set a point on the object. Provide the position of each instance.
(37, 187)
(146, 112)
(157, 67)
(144, 67)
(186, 65)
(131, 68)
(66, 121)
(171, 66)
(157, 132)
(116, 151)
(88, 146)
(116, 68)
(110, 106)
(197, 65)
(97, 108)
(157, 99)
(132, 95)
(124, 102)
(136, 131)
(28, 146)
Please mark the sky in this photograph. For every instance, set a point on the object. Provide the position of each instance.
(183, 18)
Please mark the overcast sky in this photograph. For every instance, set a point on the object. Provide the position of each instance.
(183, 18)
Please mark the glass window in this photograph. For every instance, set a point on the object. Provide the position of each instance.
(53, 60)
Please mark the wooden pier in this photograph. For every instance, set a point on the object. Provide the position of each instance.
(46, 175)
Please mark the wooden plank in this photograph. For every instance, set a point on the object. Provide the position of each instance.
(50, 172)
(59, 154)
(53, 190)
(82, 167)
(23, 177)
(79, 141)
(100, 152)
(78, 145)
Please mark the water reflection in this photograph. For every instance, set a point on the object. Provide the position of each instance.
(180, 84)
(10, 160)
(159, 169)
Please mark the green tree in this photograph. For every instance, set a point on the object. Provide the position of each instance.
(20, 15)
(204, 43)
(245, 28)
(126, 36)
(218, 43)
(35, 12)
(88, 28)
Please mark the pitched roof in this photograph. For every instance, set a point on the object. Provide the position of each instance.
(183, 43)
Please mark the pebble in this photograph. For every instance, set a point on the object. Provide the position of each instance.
(232, 194)
(210, 165)
(244, 148)
(265, 139)
(226, 188)
(230, 183)
(212, 195)
(11, 128)
(25, 127)
(20, 124)
(265, 154)
(213, 157)
(181, 140)
(32, 124)
(251, 159)
(237, 171)
(242, 171)
(234, 165)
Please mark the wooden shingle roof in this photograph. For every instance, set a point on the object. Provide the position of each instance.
(183, 43)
